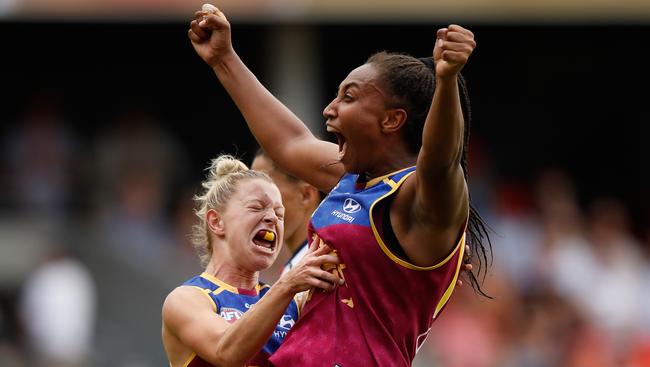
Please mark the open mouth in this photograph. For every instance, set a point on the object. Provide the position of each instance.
(342, 145)
(341, 141)
(266, 239)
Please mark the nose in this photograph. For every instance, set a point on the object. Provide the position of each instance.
(330, 112)
(270, 217)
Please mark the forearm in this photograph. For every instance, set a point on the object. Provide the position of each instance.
(268, 119)
(442, 139)
(441, 192)
(246, 337)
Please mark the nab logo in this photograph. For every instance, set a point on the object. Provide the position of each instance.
(230, 314)
(286, 322)
(351, 206)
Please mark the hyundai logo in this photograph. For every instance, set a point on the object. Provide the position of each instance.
(351, 206)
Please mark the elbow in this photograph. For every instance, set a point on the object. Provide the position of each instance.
(439, 160)
(226, 356)
(440, 171)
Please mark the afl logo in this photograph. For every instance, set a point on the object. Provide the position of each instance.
(351, 206)
(231, 314)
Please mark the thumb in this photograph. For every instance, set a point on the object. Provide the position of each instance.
(214, 21)
(441, 36)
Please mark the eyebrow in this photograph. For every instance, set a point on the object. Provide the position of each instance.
(254, 201)
(349, 85)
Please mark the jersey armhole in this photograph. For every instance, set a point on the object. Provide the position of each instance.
(394, 257)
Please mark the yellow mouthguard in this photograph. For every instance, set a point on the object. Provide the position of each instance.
(269, 236)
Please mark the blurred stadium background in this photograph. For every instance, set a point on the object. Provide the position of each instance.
(108, 118)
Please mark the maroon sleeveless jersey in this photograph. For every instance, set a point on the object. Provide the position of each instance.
(384, 312)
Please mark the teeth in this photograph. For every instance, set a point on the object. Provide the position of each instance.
(269, 236)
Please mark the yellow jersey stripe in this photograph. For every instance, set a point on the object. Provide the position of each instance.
(385, 248)
(390, 183)
(377, 180)
(189, 360)
(221, 284)
(452, 285)
(206, 293)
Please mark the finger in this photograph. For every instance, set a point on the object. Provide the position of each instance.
(455, 37)
(457, 47)
(441, 34)
(467, 252)
(314, 282)
(321, 251)
(468, 268)
(326, 276)
(313, 245)
(200, 32)
(455, 57)
(457, 28)
(193, 37)
(459, 283)
(458, 37)
(326, 259)
(198, 15)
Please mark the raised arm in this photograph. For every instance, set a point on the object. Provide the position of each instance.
(190, 318)
(441, 200)
(284, 137)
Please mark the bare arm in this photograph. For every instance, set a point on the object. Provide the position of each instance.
(284, 137)
(441, 202)
(190, 316)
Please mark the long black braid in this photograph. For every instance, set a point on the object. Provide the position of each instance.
(412, 82)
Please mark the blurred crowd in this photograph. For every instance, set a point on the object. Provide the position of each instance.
(570, 283)
(95, 234)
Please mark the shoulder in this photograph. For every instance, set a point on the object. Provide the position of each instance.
(184, 300)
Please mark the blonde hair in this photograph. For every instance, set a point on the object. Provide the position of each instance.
(224, 174)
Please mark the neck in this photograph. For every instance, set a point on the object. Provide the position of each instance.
(232, 275)
(299, 236)
(396, 162)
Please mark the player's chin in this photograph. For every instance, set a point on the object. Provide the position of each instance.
(263, 262)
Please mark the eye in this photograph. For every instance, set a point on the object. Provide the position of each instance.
(255, 207)
(347, 97)
(280, 214)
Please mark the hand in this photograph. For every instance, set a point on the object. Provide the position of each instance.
(309, 272)
(467, 266)
(453, 47)
(210, 36)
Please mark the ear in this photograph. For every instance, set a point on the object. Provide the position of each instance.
(309, 196)
(215, 222)
(394, 120)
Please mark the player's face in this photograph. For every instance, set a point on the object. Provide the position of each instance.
(289, 189)
(354, 116)
(255, 207)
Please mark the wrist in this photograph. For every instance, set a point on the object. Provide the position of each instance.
(446, 78)
(223, 64)
(284, 286)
